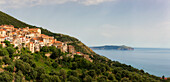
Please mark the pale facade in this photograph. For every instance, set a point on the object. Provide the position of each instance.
(26, 37)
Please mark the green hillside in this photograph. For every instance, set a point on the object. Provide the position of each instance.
(59, 67)
(80, 47)
(36, 67)
(9, 20)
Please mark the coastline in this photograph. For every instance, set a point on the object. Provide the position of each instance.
(151, 60)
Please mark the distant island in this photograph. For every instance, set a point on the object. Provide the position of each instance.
(112, 47)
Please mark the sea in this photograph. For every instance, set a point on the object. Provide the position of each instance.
(155, 61)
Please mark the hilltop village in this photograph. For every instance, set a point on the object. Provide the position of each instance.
(32, 39)
(28, 37)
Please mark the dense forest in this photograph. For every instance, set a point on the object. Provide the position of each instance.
(22, 65)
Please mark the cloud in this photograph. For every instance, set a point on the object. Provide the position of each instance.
(2, 2)
(164, 24)
(94, 2)
(30, 3)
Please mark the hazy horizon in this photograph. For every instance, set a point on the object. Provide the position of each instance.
(134, 23)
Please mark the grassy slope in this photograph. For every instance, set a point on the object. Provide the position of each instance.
(9, 20)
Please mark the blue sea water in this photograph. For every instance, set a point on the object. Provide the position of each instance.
(155, 61)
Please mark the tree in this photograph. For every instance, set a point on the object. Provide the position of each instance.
(103, 69)
(6, 59)
(55, 78)
(56, 54)
(74, 65)
(118, 76)
(27, 58)
(6, 77)
(19, 76)
(19, 65)
(3, 52)
(125, 80)
(37, 57)
(73, 73)
(111, 77)
(0, 45)
(52, 48)
(45, 77)
(20, 73)
(11, 51)
(73, 79)
(102, 79)
(7, 43)
(163, 77)
(98, 72)
(1, 62)
(63, 74)
(10, 68)
(54, 72)
(88, 79)
(44, 49)
(55, 65)
(92, 73)
(117, 69)
(40, 71)
(16, 48)
(34, 74)
(27, 77)
(23, 66)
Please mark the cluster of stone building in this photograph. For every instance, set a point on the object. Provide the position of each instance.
(28, 37)
(33, 40)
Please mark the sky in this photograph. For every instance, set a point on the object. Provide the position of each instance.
(135, 23)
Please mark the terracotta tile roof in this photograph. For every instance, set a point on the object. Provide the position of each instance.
(35, 38)
(45, 36)
(21, 36)
(78, 52)
(2, 37)
(58, 42)
(53, 41)
(2, 30)
(41, 41)
(31, 42)
(13, 32)
(6, 26)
